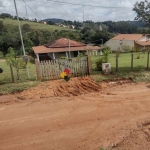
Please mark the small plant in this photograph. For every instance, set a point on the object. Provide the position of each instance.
(103, 59)
(80, 55)
(126, 48)
(16, 62)
(138, 56)
(118, 52)
(1, 54)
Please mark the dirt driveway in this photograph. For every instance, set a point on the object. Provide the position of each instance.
(115, 118)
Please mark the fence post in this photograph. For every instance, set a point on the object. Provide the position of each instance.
(148, 59)
(37, 70)
(116, 62)
(131, 60)
(89, 65)
(12, 74)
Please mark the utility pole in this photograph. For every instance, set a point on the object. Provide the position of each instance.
(83, 19)
(24, 53)
(26, 12)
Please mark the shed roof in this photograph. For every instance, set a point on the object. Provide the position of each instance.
(133, 37)
(143, 43)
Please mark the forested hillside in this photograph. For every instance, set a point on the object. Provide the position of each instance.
(35, 33)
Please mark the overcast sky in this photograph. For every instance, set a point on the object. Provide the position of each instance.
(48, 9)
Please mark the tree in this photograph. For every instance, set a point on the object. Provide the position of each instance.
(50, 23)
(26, 27)
(143, 11)
(16, 62)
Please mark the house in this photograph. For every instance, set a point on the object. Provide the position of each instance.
(43, 22)
(62, 48)
(136, 42)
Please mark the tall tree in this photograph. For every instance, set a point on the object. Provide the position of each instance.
(143, 11)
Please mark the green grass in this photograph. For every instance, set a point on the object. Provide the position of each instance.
(11, 88)
(5, 77)
(6, 87)
(124, 61)
(138, 74)
(11, 24)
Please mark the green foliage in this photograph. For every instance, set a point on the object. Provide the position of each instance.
(80, 55)
(26, 27)
(17, 63)
(63, 57)
(142, 9)
(11, 88)
(126, 48)
(118, 52)
(103, 59)
(1, 54)
(31, 59)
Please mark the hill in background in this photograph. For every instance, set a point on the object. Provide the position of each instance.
(55, 20)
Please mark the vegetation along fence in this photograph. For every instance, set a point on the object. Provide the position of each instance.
(51, 69)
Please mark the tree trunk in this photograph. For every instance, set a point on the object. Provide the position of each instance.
(18, 75)
(12, 74)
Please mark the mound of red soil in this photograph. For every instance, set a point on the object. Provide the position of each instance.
(61, 88)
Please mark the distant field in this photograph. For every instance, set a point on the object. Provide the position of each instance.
(39, 26)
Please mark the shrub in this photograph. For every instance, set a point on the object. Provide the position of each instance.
(31, 60)
(1, 54)
(103, 59)
(126, 48)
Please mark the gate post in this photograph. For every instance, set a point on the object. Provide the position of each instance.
(89, 65)
(37, 70)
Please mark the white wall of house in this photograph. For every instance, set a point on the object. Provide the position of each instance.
(116, 44)
(58, 55)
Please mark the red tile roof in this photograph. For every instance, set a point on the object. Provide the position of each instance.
(43, 49)
(133, 37)
(63, 42)
(143, 43)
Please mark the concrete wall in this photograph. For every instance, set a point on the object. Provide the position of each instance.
(115, 44)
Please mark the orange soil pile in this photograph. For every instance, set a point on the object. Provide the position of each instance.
(61, 88)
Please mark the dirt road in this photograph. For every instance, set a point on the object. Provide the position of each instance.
(115, 118)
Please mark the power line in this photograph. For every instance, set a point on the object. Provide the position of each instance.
(75, 4)
(31, 9)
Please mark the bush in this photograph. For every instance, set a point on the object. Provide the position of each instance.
(1, 54)
(31, 60)
(103, 59)
(99, 62)
(126, 48)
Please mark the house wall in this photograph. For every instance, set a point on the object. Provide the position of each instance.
(115, 44)
(63, 54)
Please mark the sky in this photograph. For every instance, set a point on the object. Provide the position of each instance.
(48, 9)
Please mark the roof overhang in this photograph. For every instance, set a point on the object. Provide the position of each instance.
(44, 49)
(143, 43)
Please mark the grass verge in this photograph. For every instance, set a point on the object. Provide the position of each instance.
(11, 88)
(137, 76)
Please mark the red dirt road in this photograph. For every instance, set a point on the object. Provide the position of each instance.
(115, 118)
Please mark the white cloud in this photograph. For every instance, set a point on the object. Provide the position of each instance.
(1, 5)
(46, 9)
